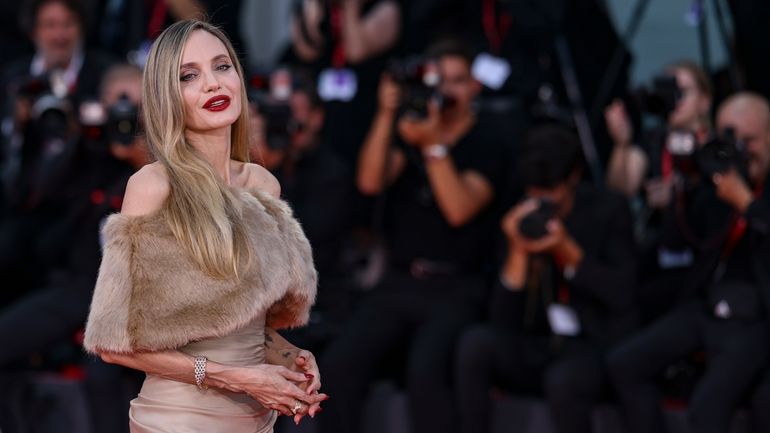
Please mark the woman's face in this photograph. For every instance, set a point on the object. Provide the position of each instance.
(694, 104)
(211, 87)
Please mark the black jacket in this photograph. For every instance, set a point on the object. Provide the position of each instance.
(602, 290)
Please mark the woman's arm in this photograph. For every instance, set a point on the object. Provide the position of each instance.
(273, 386)
(278, 351)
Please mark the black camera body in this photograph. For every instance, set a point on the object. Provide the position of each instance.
(418, 79)
(101, 126)
(718, 155)
(279, 120)
(660, 98)
(534, 224)
(722, 153)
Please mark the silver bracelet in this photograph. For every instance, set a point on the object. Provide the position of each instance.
(200, 372)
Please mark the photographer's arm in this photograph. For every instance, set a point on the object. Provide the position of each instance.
(378, 163)
(628, 163)
(460, 195)
(367, 36)
(306, 36)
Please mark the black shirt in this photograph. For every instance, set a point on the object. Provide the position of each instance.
(415, 225)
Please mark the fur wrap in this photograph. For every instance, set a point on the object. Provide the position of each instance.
(151, 295)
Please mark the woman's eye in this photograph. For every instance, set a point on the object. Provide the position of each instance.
(187, 77)
(224, 67)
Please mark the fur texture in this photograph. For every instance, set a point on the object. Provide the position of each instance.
(150, 295)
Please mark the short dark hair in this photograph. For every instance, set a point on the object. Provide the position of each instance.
(29, 11)
(451, 47)
(549, 155)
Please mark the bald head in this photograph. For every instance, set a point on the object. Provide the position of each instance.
(748, 114)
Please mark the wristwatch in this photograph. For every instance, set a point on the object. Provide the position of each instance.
(569, 273)
(435, 152)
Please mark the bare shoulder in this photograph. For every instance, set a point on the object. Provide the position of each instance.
(146, 191)
(258, 177)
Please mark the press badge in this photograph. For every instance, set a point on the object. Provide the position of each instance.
(563, 320)
(491, 71)
(671, 259)
(337, 85)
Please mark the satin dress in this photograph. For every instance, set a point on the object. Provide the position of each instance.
(167, 406)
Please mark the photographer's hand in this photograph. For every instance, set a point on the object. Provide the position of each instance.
(388, 95)
(733, 190)
(422, 132)
(659, 192)
(618, 125)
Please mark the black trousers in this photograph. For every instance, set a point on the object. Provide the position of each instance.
(426, 316)
(569, 372)
(39, 319)
(735, 354)
(760, 404)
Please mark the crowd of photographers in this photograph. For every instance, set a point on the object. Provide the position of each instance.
(476, 224)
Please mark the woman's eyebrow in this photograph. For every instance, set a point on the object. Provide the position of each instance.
(216, 58)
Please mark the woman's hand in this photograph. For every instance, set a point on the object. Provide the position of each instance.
(306, 364)
(274, 387)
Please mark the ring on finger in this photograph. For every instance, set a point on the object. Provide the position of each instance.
(297, 407)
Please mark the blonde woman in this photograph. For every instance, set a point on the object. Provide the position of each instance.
(204, 261)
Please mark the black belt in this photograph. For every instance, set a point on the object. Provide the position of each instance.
(423, 268)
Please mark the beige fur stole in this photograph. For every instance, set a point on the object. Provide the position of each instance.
(150, 294)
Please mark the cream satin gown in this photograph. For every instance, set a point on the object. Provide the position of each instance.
(167, 406)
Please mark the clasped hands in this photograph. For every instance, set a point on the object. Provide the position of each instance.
(291, 391)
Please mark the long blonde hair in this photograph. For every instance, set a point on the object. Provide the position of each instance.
(201, 210)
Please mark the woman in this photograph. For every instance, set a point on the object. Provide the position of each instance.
(204, 261)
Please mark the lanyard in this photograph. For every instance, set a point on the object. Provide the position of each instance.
(338, 55)
(495, 27)
(737, 230)
(666, 163)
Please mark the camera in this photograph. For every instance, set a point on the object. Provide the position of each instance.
(660, 98)
(718, 155)
(269, 94)
(118, 123)
(721, 153)
(418, 80)
(50, 115)
(533, 225)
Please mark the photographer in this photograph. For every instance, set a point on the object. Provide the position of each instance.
(660, 166)
(50, 314)
(726, 295)
(441, 172)
(685, 109)
(346, 43)
(57, 29)
(565, 292)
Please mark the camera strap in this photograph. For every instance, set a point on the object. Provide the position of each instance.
(496, 25)
(737, 230)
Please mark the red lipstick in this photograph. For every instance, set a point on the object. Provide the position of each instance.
(217, 103)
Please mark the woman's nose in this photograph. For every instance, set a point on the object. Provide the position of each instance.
(211, 83)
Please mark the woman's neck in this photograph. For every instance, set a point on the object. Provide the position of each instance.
(214, 146)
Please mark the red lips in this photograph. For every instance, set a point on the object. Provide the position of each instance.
(217, 103)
